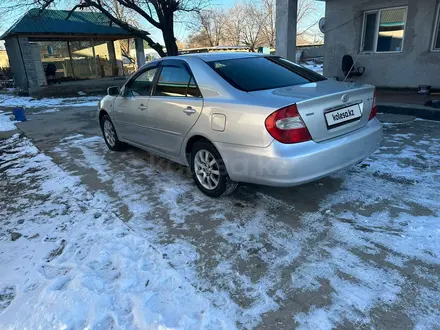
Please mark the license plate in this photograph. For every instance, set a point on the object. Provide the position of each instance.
(343, 115)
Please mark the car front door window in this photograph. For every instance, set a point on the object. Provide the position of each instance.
(141, 85)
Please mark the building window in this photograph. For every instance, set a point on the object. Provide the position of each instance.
(436, 39)
(384, 30)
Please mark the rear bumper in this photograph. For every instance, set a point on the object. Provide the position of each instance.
(293, 164)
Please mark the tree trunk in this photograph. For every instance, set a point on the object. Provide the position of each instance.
(168, 35)
(156, 46)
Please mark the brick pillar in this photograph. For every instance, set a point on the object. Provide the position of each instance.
(29, 62)
(16, 62)
(37, 65)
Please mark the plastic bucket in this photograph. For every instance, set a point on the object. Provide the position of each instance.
(19, 114)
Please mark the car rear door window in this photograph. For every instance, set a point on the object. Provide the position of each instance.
(193, 90)
(142, 84)
(176, 81)
(261, 72)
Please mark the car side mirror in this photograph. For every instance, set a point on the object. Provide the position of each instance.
(113, 91)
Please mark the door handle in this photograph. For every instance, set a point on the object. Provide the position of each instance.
(189, 111)
(142, 107)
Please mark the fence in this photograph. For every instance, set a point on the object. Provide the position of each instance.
(86, 68)
(6, 80)
(5, 73)
(82, 68)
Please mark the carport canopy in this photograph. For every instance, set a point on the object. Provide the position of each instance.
(45, 25)
(63, 25)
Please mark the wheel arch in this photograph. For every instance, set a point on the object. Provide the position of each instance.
(192, 141)
(190, 145)
(102, 113)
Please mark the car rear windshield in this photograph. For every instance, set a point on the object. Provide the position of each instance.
(263, 72)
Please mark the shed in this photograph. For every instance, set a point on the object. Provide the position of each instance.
(37, 25)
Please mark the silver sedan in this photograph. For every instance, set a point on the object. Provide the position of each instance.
(242, 117)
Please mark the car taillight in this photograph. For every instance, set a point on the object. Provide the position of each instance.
(286, 126)
(373, 108)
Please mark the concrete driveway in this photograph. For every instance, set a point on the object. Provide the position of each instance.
(359, 249)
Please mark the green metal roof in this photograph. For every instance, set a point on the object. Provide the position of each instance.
(53, 22)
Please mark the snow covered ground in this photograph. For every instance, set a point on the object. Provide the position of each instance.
(76, 264)
(11, 101)
(5, 123)
(311, 65)
(125, 241)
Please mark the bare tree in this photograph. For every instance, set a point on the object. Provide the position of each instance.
(305, 19)
(235, 25)
(126, 46)
(253, 21)
(212, 23)
(250, 23)
(305, 12)
(128, 16)
(197, 40)
(268, 30)
(158, 13)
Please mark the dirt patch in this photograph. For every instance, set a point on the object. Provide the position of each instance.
(57, 252)
(7, 294)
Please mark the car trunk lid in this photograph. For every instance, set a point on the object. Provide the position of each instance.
(328, 108)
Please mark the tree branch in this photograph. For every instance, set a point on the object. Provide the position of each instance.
(135, 31)
(75, 8)
(46, 4)
(140, 11)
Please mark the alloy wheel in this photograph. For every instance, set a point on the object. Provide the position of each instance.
(109, 133)
(206, 169)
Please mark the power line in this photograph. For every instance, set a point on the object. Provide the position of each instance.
(341, 25)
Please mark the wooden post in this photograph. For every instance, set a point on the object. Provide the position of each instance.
(94, 58)
(71, 60)
(112, 57)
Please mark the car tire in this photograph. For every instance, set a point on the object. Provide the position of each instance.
(110, 136)
(209, 170)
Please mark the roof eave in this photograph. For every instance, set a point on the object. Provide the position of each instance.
(10, 32)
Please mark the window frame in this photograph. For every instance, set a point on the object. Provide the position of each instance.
(378, 12)
(136, 75)
(180, 64)
(436, 31)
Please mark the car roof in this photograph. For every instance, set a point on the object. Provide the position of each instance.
(218, 56)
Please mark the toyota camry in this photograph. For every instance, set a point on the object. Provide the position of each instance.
(242, 117)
